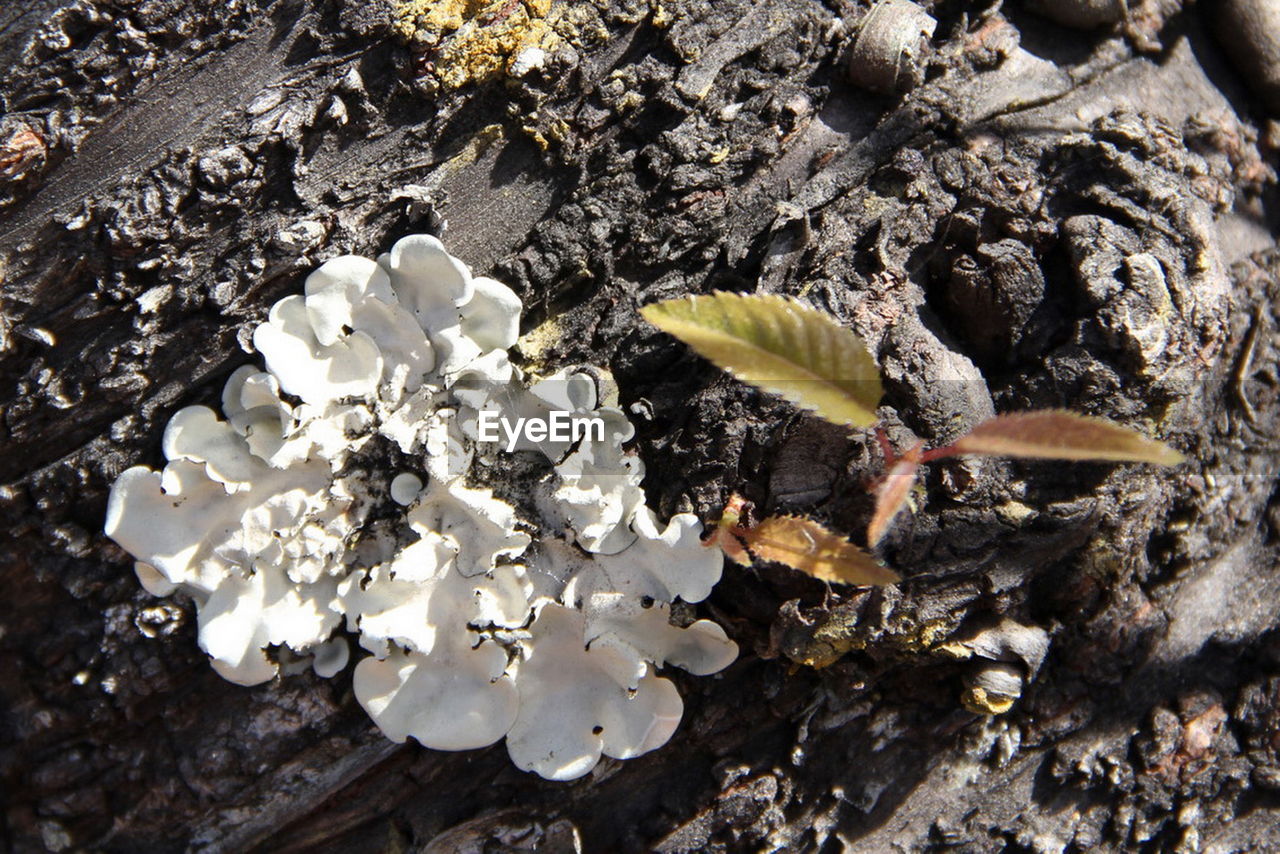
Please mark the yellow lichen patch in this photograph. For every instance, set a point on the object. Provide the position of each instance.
(556, 131)
(580, 24)
(1014, 512)
(955, 650)
(535, 343)
(436, 17)
(923, 637)
(465, 156)
(833, 639)
(839, 633)
(978, 701)
(630, 101)
(828, 645)
(477, 40)
(477, 145)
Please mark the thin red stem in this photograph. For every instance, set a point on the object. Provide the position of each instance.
(940, 453)
(886, 449)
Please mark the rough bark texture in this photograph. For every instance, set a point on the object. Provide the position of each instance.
(1051, 217)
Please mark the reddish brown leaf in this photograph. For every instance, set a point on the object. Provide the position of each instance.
(892, 494)
(1060, 435)
(728, 542)
(805, 545)
(724, 535)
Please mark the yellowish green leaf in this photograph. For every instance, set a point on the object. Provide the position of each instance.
(805, 545)
(1059, 435)
(781, 346)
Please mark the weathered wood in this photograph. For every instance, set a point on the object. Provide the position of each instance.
(1002, 236)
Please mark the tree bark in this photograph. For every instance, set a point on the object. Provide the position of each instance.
(1049, 217)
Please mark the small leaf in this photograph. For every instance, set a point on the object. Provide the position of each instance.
(781, 346)
(805, 545)
(1059, 435)
(725, 540)
(724, 535)
(892, 494)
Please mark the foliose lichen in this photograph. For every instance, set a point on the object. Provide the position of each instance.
(544, 624)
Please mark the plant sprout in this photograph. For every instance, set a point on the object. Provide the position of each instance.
(787, 348)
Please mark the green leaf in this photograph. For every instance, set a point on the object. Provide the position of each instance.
(781, 346)
(1059, 435)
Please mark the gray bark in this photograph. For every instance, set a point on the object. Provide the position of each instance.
(1049, 218)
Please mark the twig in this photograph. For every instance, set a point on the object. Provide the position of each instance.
(1245, 364)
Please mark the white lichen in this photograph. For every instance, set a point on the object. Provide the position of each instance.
(545, 624)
